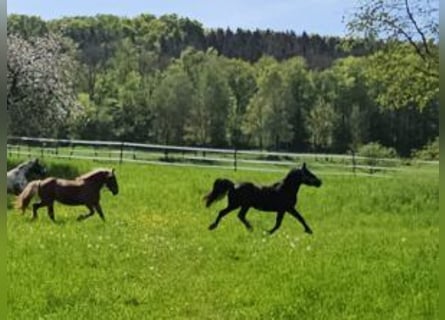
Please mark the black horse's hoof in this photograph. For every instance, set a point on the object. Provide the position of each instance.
(309, 231)
(212, 226)
(80, 218)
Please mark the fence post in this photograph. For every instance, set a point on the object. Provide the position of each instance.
(353, 161)
(234, 159)
(72, 150)
(121, 155)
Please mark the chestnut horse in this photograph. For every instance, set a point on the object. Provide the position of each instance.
(281, 197)
(83, 190)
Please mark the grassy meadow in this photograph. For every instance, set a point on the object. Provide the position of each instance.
(373, 254)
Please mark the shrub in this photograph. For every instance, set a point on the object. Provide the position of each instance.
(374, 151)
(430, 151)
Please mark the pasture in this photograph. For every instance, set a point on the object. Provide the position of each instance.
(373, 254)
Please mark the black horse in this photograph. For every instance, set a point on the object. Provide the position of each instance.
(280, 197)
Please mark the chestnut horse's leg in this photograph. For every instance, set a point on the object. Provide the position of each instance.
(89, 214)
(35, 207)
(242, 216)
(51, 211)
(280, 216)
(300, 218)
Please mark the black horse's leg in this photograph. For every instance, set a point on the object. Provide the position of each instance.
(280, 216)
(221, 215)
(300, 218)
(89, 214)
(242, 216)
(99, 210)
(51, 212)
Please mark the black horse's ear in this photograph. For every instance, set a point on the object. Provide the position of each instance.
(304, 165)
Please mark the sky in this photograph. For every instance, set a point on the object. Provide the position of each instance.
(323, 17)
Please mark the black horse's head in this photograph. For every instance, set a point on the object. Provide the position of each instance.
(35, 170)
(111, 182)
(304, 176)
(308, 177)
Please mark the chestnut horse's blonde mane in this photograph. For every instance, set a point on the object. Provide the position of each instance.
(93, 173)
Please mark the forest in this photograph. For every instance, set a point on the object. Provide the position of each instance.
(170, 80)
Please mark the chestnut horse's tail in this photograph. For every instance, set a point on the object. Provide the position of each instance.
(24, 198)
(220, 188)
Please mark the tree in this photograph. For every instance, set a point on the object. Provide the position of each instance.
(267, 116)
(277, 102)
(26, 26)
(400, 79)
(300, 84)
(94, 122)
(408, 67)
(40, 93)
(242, 85)
(359, 126)
(173, 99)
(97, 39)
(321, 122)
(353, 102)
(207, 121)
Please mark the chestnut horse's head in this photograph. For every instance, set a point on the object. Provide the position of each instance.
(101, 177)
(111, 182)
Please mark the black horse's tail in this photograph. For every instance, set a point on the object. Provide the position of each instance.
(220, 188)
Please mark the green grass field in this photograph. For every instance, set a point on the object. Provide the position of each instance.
(374, 253)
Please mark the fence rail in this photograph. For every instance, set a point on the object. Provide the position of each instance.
(204, 157)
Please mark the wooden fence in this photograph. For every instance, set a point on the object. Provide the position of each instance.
(204, 157)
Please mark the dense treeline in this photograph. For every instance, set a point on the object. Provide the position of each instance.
(169, 80)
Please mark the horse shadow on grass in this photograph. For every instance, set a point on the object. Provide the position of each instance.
(58, 222)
